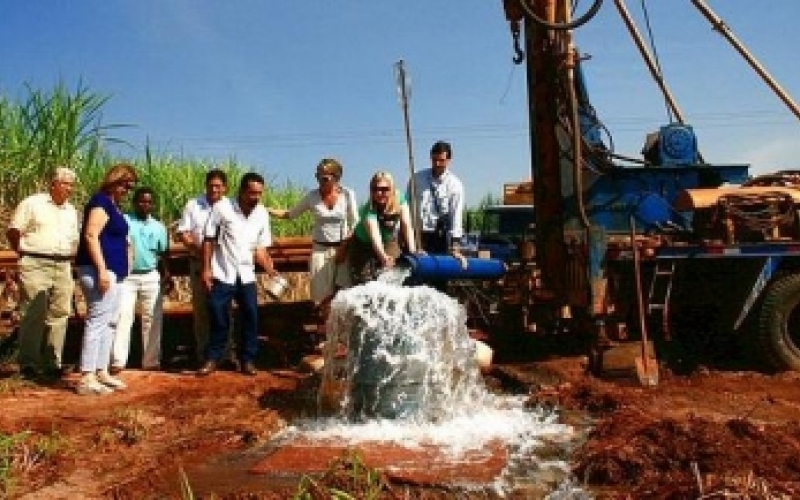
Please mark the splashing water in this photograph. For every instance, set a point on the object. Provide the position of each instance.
(400, 352)
(394, 275)
(400, 367)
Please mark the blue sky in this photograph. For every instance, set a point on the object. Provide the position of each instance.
(279, 84)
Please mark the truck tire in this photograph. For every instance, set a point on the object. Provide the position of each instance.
(777, 332)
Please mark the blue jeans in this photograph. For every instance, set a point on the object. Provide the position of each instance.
(102, 310)
(219, 315)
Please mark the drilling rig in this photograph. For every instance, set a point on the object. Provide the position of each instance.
(653, 249)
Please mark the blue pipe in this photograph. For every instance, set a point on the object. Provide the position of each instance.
(446, 267)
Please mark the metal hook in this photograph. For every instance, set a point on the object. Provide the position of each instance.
(519, 54)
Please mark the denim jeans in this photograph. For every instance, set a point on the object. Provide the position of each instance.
(219, 314)
(200, 320)
(101, 317)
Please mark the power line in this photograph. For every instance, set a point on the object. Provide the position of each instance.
(622, 124)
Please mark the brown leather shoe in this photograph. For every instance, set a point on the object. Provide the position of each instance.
(248, 368)
(208, 368)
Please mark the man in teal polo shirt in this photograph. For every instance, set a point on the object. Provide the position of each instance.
(144, 286)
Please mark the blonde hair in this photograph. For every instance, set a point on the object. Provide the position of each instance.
(117, 174)
(393, 203)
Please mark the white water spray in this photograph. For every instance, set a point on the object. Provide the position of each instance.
(400, 367)
(400, 352)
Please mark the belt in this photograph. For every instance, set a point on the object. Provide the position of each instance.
(142, 271)
(330, 244)
(55, 257)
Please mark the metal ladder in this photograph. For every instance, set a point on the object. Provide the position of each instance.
(660, 292)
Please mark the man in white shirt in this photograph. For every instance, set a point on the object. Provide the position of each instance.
(237, 235)
(190, 231)
(439, 198)
(44, 232)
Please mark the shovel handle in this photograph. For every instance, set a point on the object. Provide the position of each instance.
(637, 276)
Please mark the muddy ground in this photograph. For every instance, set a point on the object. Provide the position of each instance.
(709, 433)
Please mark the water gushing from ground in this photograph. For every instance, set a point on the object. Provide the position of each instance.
(400, 367)
(400, 352)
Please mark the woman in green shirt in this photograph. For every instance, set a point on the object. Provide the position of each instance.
(383, 221)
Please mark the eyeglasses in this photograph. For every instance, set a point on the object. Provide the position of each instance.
(380, 189)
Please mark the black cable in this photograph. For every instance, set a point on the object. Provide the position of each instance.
(656, 60)
(575, 23)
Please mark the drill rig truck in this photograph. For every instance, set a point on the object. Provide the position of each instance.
(667, 245)
(503, 229)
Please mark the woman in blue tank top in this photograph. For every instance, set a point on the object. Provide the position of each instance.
(102, 263)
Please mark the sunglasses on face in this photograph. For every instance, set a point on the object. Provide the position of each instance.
(381, 189)
(325, 178)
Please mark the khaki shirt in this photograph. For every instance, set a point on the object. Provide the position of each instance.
(46, 228)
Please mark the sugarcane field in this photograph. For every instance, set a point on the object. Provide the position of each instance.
(373, 251)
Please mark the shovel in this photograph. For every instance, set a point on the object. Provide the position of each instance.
(646, 364)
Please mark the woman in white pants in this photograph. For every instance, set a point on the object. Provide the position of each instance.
(335, 213)
(143, 286)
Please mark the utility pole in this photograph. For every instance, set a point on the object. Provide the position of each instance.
(402, 90)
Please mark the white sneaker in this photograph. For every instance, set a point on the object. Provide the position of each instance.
(106, 379)
(89, 385)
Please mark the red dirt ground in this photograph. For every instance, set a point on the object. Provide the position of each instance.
(704, 435)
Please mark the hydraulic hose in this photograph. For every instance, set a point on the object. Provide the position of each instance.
(577, 141)
(569, 25)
